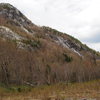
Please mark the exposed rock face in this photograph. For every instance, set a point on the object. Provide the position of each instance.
(15, 17)
(10, 12)
(70, 45)
(9, 34)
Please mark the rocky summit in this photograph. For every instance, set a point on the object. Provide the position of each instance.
(34, 55)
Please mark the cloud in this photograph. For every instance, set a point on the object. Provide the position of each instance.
(80, 18)
(96, 46)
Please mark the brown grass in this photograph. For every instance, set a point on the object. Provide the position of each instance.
(76, 90)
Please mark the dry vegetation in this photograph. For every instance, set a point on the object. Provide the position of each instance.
(31, 71)
(62, 91)
(18, 66)
(47, 63)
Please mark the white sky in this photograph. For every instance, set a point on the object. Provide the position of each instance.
(80, 18)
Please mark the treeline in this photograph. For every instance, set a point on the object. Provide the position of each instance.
(47, 65)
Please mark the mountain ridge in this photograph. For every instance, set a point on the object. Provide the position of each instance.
(41, 55)
(12, 13)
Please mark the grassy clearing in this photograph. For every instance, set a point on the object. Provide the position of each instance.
(62, 90)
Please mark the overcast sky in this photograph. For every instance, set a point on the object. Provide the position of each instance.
(80, 18)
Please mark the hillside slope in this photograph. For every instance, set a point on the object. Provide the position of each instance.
(34, 55)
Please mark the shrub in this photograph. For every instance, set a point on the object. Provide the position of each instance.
(33, 43)
(67, 58)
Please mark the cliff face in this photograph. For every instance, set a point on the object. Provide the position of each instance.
(40, 55)
(12, 13)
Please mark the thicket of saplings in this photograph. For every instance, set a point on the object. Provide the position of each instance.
(42, 66)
